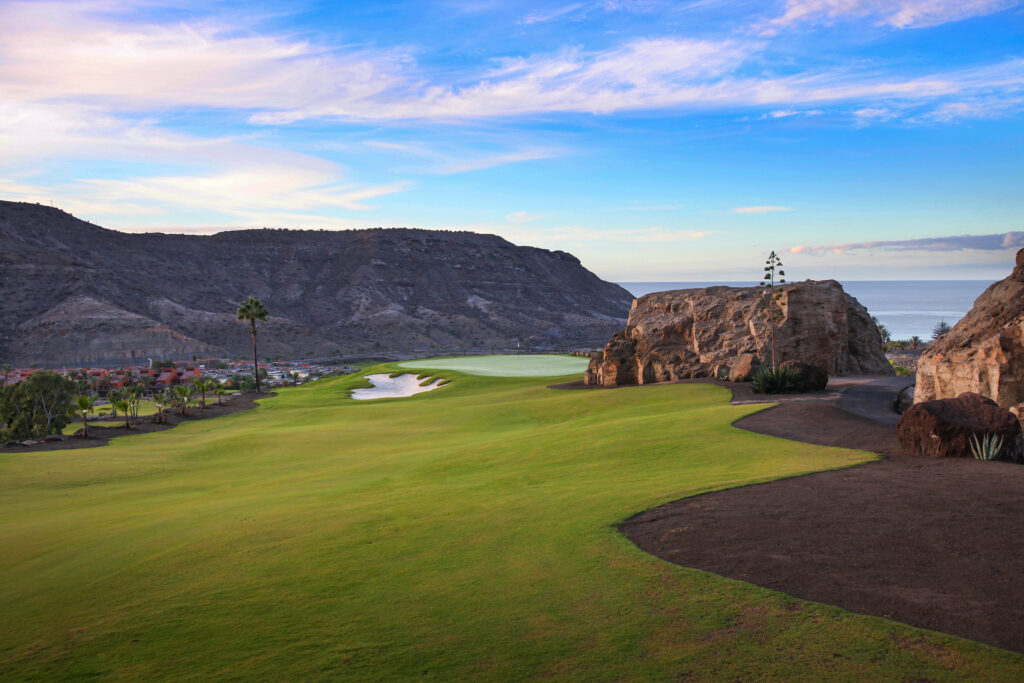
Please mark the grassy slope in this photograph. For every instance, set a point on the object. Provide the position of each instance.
(463, 532)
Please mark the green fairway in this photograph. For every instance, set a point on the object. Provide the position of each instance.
(458, 534)
(527, 365)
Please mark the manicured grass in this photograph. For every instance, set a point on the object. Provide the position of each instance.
(464, 533)
(146, 407)
(526, 365)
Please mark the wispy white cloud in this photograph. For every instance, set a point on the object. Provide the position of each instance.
(458, 159)
(75, 51)
(523, 216)
(981, 107)
(760, 209)
(898, 14)
(490, 161)
(577, 234)
(551, 14)
(255, 192)
(995, 242)
(116, 67)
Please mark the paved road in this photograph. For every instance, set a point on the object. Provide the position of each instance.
(870, 396)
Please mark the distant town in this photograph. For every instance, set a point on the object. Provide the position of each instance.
(233, 375)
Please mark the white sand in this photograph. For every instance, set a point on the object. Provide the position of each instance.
(385, 386)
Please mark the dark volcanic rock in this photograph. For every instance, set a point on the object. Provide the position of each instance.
(327, 291)
(984, 352)
(689, 333)
(943, 428)
(812, 377)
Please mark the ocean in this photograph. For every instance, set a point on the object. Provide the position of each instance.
(905, 307)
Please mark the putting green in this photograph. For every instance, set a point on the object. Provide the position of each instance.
(505, 366)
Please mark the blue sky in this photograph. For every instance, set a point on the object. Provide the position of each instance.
(657, 141)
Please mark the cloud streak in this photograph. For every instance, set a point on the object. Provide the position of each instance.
(898, 14)
(117, 66)
(995, 242)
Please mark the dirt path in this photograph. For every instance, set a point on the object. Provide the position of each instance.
(98, 435)
(932, 543)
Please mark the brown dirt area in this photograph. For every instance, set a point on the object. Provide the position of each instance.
(99, 436)
(931, 543)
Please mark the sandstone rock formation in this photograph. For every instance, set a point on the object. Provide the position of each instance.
(943, 428)
(422, 291)
(744, 367)
(689, 333)
(984, 352)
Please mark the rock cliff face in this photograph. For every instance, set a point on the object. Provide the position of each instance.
(73, 292)
(691, 333)
(984, 352)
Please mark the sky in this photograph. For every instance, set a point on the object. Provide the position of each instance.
(656, 141)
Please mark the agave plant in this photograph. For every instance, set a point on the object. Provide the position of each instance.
(779, 380)
(986, 448)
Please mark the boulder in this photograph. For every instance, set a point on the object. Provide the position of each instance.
(688, 333)
(744, 368)
(904, 399)
(984, 352)
(812, 377)
(943, 428)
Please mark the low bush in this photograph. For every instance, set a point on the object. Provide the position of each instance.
(900, 370)
(779, 380)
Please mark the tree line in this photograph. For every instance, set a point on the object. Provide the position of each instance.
(45, 402)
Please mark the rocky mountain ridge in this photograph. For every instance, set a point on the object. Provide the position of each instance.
(73, 292)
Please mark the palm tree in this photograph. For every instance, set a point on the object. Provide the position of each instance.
(202, 386)
(83, 406)
(220, 391)
(126, 409)
(113, 398)
(182, 395)
(133, 394)
(163, 403)
(252, 309)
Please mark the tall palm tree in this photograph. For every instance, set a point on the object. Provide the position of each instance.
(126, 410)
(83, 406)
(202, 386)
(252, 309)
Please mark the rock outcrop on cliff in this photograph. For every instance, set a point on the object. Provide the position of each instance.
(689, 333)
(347, 291)
(984, 352)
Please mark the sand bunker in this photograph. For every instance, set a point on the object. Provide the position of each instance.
(386, 386)
(506, 366)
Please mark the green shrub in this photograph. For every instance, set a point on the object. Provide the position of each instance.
(780, 380)
(900, 370)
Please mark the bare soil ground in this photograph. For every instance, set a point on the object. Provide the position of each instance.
(931, 543)
(99, 435)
